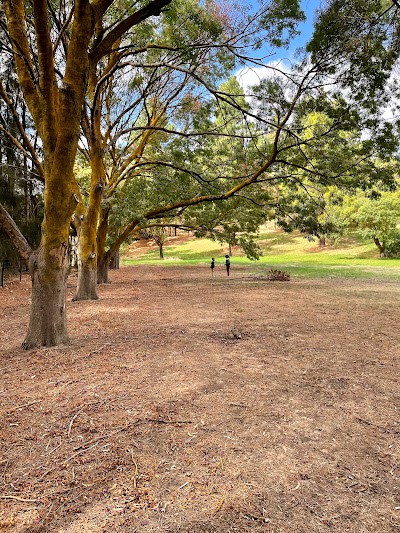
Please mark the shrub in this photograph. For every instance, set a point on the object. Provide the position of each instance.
(278, 275)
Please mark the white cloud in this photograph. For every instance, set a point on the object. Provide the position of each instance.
(250, 76)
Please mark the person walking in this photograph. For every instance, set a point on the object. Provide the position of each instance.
(227, 264)
(212, 266)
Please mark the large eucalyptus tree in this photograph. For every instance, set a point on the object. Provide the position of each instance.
(54, 92)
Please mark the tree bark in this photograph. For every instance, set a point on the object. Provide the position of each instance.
(87, 279)
(48, 324)
(380, 247)
(103, 258)
(16, 237)
(102, 270)
(87, 250)
(322, 242)
(114, 261)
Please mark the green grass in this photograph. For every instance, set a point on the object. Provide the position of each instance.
(291, 252)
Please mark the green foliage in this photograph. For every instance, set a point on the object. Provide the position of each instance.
(358, 42)
(377, 219)
(281, 20)
(360, 32)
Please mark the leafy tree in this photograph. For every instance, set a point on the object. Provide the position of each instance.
(85, 43)
(358, 41)
(307, 209)
(342, 162)
(192, 82)
(375, 218)
(130, 100)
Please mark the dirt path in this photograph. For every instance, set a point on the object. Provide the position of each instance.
(191, 404)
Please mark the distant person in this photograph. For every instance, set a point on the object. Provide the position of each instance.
(227, 264)
(212, 266)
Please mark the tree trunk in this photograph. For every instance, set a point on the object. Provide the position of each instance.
(87, 263)
(102, 270)
(103, 258)
(87, 270)
(87, 279)
(48, 325)
(381, 248)
(161, 247)
(322, 242)
(114, 261)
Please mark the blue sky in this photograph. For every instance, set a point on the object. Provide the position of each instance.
(309, 7)
(284, 56)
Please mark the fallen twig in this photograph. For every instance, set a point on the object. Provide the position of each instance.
(97, 439)
(18, 498)
(98, 349)
(249, 516)
(56, 448)
(135, 475)
(19, 407)
(163, 421)
(368, 423)
(72, 421)
(79, 453)
(219, 506)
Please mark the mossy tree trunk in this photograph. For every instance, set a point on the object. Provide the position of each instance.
(87, 251)
(56, 109)
(56, 112)
(103, 257)
(48, 325)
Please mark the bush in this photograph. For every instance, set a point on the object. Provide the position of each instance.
(278, 275)
(392, 246)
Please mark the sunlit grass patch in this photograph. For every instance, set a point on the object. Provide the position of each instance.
(350, 258)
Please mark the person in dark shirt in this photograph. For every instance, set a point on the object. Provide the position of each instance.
(227, 264)
(212, 266)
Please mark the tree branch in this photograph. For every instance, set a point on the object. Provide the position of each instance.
(32, 152)
(15, 14)
(105, 46)
(12, 230)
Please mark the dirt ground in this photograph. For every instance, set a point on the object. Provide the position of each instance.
(193, 404)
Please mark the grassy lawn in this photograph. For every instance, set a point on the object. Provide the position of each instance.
(290, 252)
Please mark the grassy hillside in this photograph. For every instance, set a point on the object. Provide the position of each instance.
(290, 252)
